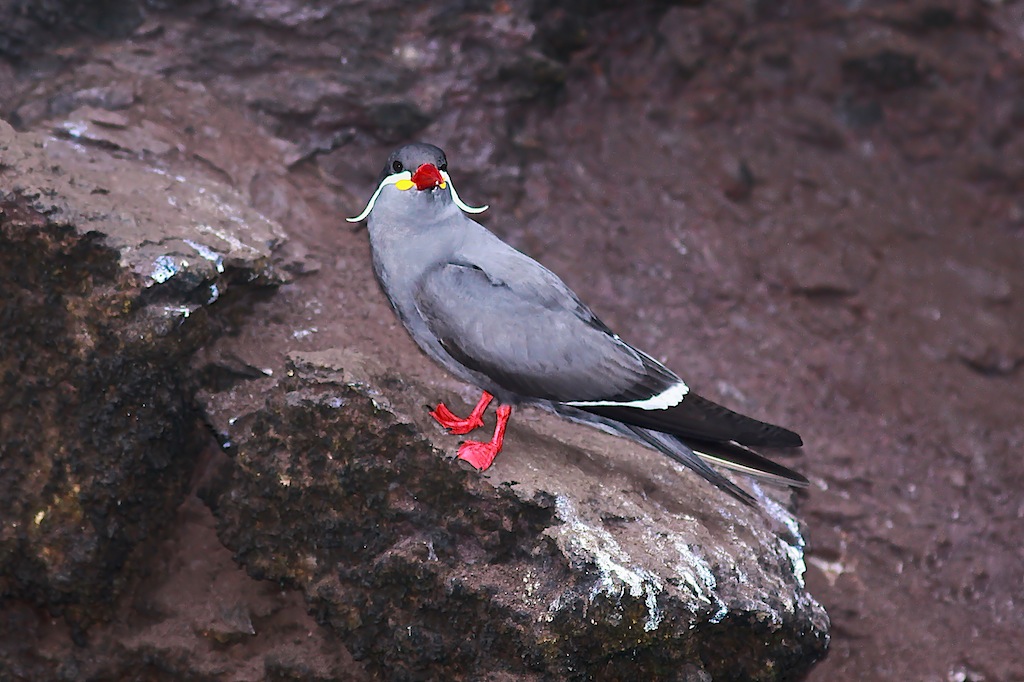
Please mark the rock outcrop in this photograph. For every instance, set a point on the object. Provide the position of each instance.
(107, 267)
(151, 353)
(581, 555)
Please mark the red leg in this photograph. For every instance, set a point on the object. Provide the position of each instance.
(480, 455)
(443, 416)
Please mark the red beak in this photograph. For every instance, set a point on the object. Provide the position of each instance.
(427, 177)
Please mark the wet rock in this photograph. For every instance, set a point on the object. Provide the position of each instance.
(106, 270)
(194, 616)
(577, 554)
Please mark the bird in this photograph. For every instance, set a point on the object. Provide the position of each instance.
(496, 318)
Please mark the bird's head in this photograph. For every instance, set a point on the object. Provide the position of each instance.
(418, 166)
(423, 163)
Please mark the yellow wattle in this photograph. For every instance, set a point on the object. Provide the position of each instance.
(405, 184)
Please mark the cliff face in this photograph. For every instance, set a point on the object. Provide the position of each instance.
(103, 264)
(215, 458)
(334, 481)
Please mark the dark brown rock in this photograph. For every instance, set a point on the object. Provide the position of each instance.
(337, 487)
(23, 24)
(105, 270)
(603, 159)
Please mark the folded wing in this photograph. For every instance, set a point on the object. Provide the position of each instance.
(517, 323)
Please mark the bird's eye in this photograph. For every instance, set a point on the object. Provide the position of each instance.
(443, 167)
(397, 166)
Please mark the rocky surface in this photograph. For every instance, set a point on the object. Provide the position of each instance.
(579, 558)
(813, 212)
(103, 292)
(585, 556)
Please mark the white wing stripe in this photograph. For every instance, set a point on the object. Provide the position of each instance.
(670, 397)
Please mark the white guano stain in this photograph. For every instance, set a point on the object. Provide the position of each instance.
(695, 573)
(617, 572)
(164, 267)
(794, 550)
(208, 254)
(182, 311)
(231, 240)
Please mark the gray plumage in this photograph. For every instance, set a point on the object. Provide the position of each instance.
(498, 319)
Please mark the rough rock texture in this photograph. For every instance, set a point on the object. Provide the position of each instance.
(601, 571)
(813, 211)
(557, 567)
(105, 269)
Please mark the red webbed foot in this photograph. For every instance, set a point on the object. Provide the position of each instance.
(443, 416)
(481, 454)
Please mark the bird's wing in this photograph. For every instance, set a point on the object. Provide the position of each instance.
(531, 335)
(697, 417)
(506, 316)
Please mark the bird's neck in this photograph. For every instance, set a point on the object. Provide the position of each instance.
(407, 240)
(413, 218)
